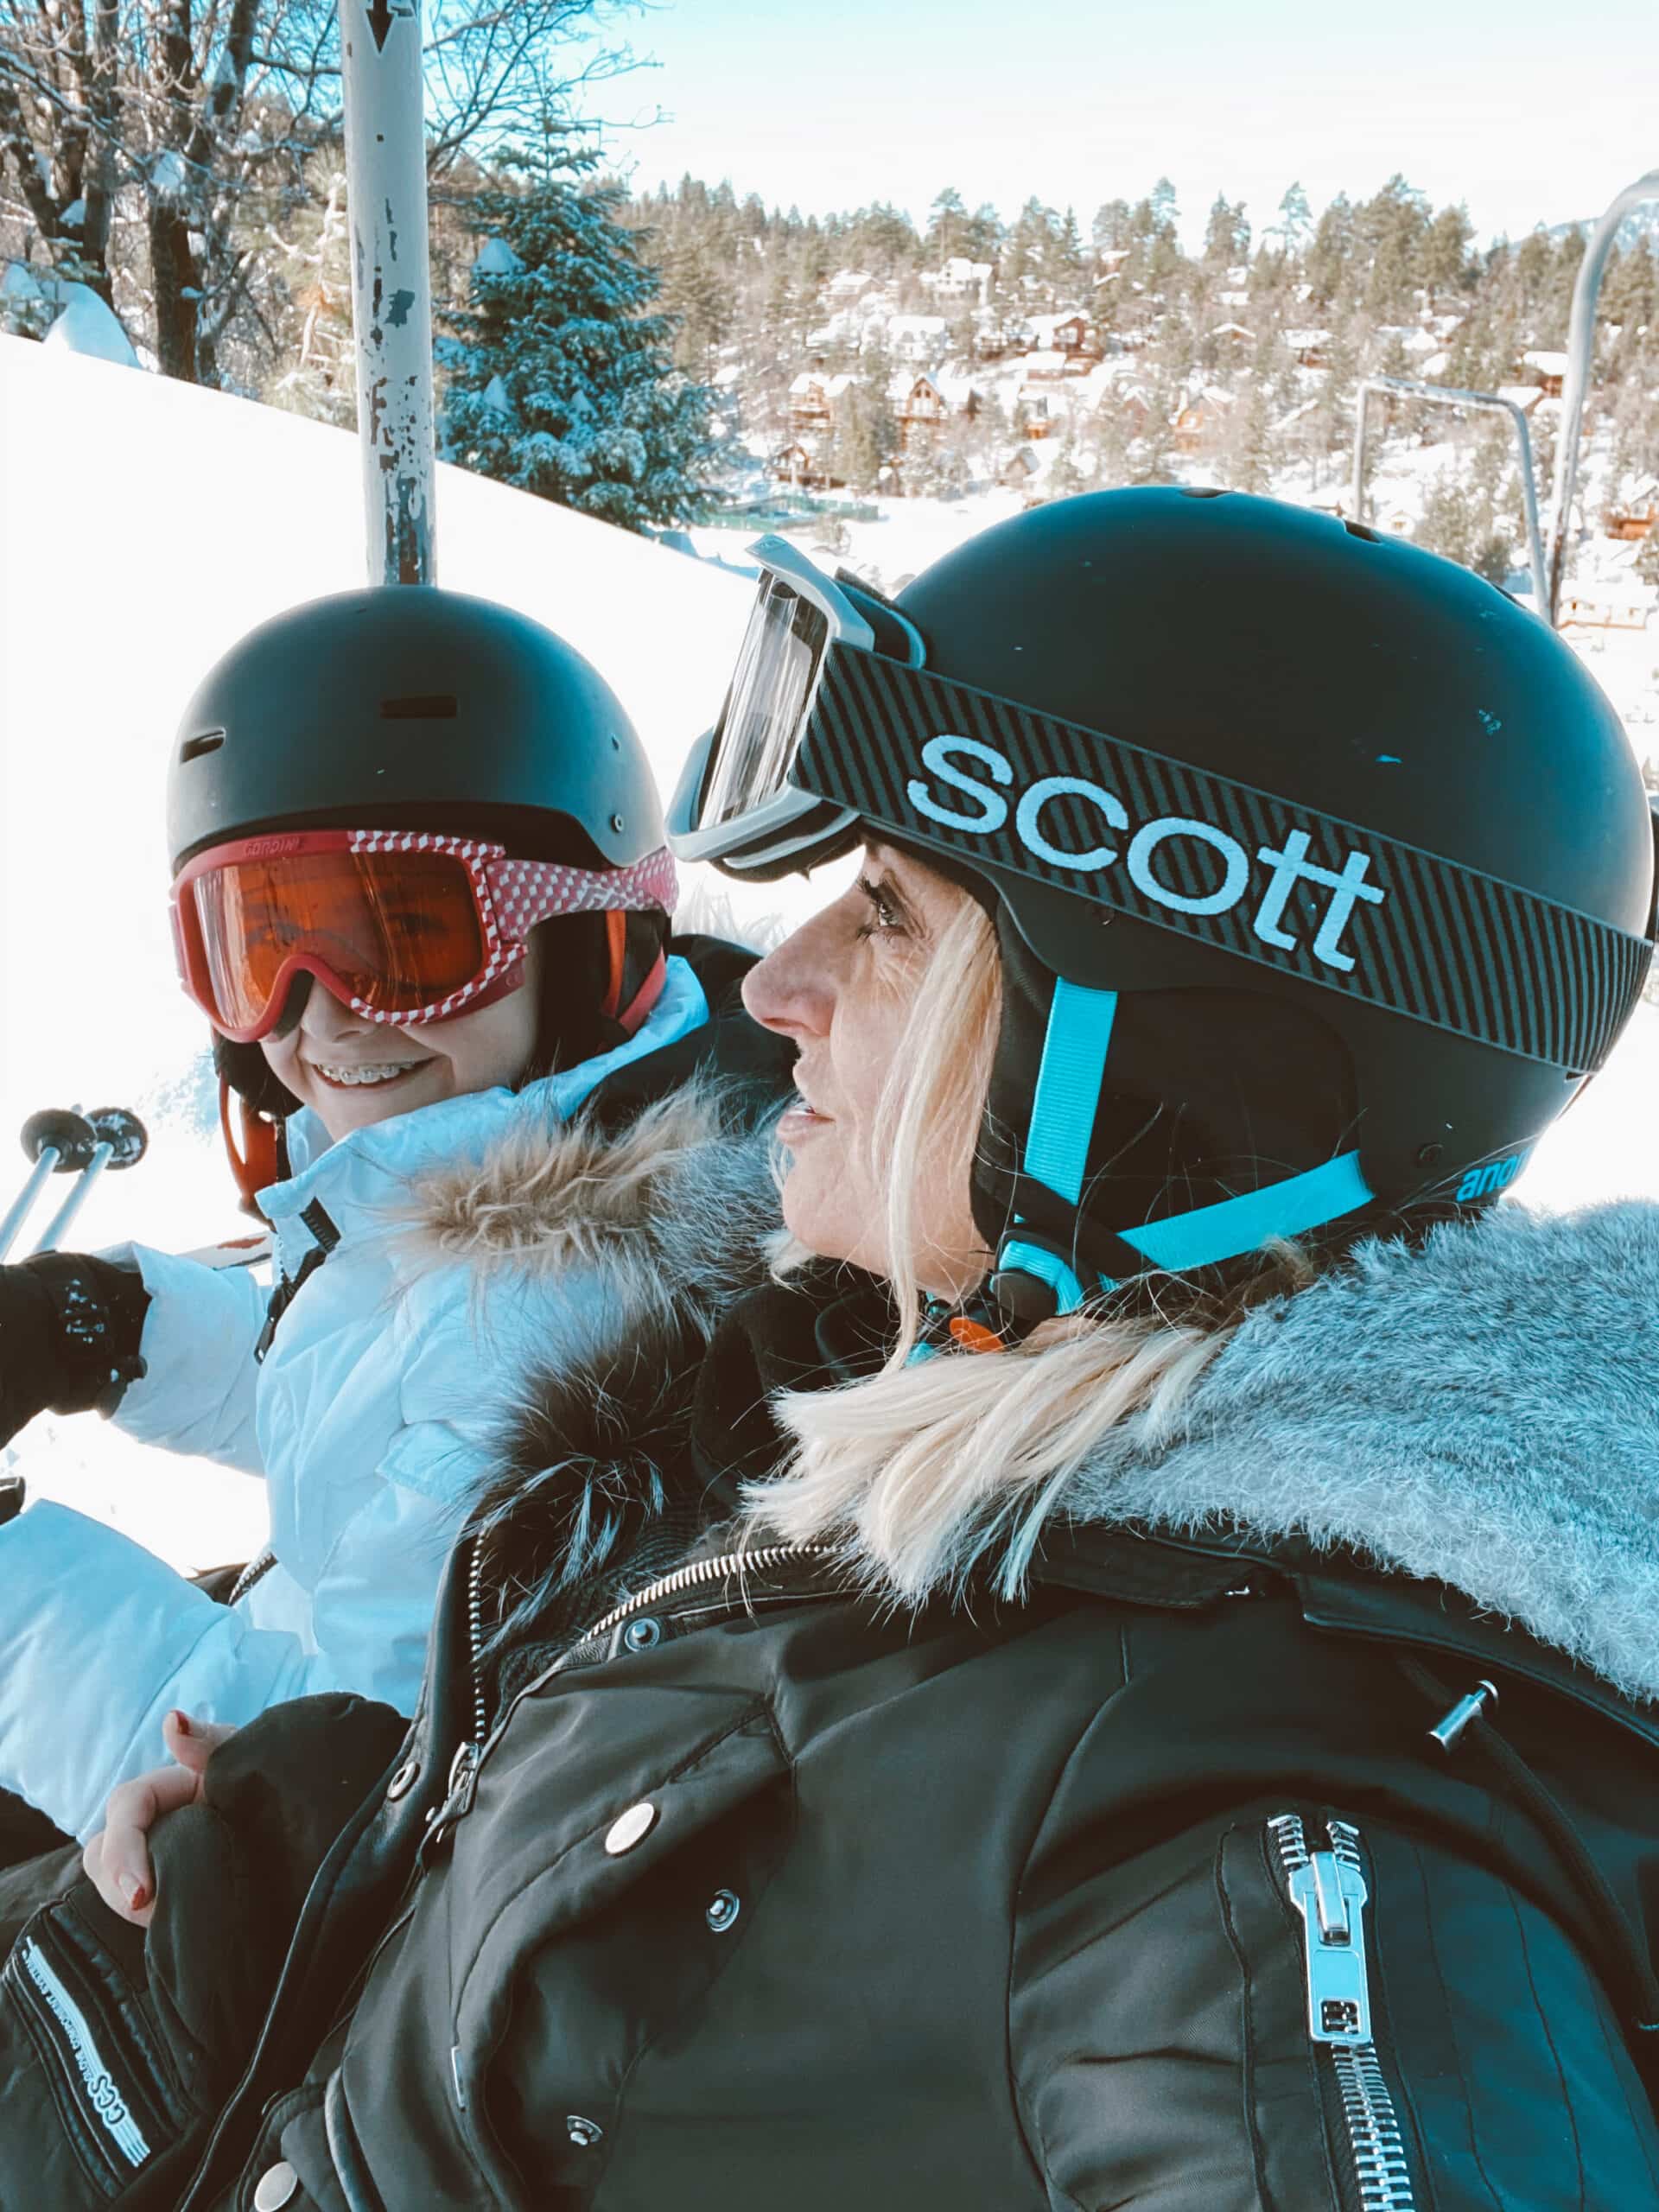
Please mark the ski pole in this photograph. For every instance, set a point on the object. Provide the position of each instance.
(59, 1143)
(120, 1140)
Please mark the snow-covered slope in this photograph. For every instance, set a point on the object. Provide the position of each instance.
(144, 526)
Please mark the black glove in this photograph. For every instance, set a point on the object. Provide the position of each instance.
(70, 1327)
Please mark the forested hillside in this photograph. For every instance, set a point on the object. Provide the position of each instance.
(1246, 354)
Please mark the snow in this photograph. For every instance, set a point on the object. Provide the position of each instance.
(146, 526)
(495, 257)
(169, 175)
(88, 327)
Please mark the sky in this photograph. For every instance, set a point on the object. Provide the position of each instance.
(1527, 112)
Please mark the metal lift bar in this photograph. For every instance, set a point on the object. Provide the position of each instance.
(392, 285)
(1442, 394)
(1580, 348)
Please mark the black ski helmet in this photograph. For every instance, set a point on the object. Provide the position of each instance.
(411, 708)
(1321, 870)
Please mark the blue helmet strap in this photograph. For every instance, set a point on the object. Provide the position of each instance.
(1048, 1241)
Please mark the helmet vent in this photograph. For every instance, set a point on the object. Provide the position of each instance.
(193, 747)
(1364, 530)
(421, 707)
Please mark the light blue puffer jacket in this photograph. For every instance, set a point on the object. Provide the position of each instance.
(370, 1418)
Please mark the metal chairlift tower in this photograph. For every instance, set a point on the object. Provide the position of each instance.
(1547, 557)
(392, 282)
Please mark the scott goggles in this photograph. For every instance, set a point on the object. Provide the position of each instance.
(833, 722)
(401, 926)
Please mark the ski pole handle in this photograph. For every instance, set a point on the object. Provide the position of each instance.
(120, 1140)
(58, 1144)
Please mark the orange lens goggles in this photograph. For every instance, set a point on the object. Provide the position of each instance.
(400, 926)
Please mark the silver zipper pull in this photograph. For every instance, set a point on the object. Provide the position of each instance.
(1446, 1733)
(459, 1790)
(1329, 1893)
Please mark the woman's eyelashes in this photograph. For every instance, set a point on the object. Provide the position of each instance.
(887, 916)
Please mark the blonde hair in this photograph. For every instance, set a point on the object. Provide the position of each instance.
(917, 1472)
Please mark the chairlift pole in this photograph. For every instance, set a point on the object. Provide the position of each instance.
(1580, 348)
(1443, 395)
(392, 287)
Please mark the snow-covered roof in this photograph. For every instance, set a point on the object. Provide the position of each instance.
(1526, 396)
(1231, 330)
(957, 385)
(1042, 362)
(814, 380)
(1043, 327)
(959, 271)
(1304, 341)
(917, 325)
(1547, 364)
(1210, 395)
(1435, 367)
(847, 281)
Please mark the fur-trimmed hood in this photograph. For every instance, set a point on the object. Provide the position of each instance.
(669, 1218)
(1483, 1412)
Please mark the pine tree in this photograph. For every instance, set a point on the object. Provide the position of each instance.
(563, 383)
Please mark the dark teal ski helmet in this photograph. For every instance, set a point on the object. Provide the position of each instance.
(1322, 871)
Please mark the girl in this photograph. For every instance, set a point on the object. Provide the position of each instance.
(421, 893)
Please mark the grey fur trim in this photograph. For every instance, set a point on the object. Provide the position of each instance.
(1484, 1413)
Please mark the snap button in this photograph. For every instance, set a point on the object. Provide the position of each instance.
(584, 2133)
(400, 1783)
(276, 2187)
(630, 1827)
(641, 1636)
(723, 1908)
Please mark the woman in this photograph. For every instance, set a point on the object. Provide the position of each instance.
(421, 894)
(1170, 1724)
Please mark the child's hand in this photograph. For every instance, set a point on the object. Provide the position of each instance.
(117, 1858)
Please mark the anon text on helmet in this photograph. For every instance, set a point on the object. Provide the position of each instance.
(951, 758)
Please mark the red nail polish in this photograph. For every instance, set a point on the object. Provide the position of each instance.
(140, 1898)
(182, 1722)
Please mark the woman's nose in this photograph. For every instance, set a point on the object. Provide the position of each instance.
(791, 990)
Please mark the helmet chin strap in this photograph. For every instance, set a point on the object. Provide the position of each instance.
(1036, 1275)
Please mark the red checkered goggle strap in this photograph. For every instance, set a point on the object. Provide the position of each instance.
(252, 915)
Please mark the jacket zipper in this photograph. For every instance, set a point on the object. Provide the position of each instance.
(469, 1753)
(470, 1756)
(253, 1573)
(1329, 1891)
(693, 1577)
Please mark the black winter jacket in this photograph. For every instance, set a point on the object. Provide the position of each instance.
(1239, 1864)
